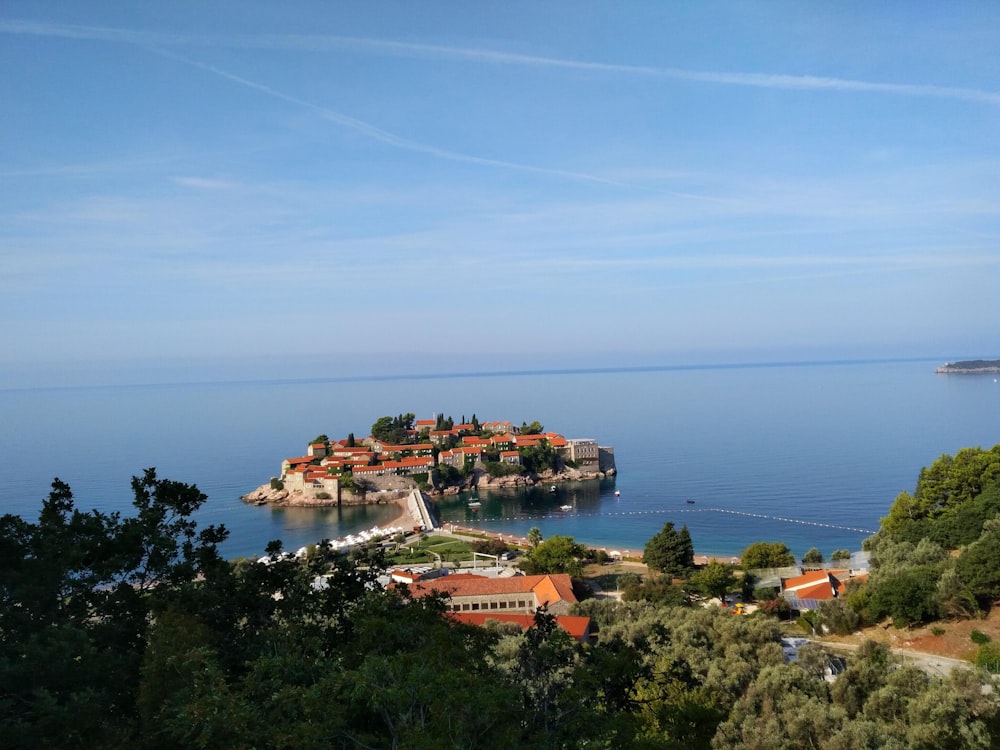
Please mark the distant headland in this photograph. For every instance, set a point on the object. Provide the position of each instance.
(970, 367)
(437, 456)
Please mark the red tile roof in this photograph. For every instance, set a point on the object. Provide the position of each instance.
(548, 589)
(578, 627)
(819, 584)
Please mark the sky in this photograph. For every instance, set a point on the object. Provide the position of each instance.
(635, 182)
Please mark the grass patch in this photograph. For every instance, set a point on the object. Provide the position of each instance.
(423, 551)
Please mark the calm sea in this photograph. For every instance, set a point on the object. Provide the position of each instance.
(811, 454)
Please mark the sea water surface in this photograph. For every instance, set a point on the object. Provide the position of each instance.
(811, 454)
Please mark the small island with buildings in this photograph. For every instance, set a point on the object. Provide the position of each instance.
(434, 456)
(970, 367)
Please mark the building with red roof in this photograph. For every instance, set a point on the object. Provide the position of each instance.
(809, 589)
(578, 627)
(467, 592)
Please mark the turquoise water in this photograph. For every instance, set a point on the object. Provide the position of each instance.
(811, 454)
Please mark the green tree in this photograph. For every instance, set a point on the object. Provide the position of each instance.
(812, 557)
(908, 596)
(76, 595)
(394, 430)
(535, 428)
(715, 579)
(557, 554)
(534, 536)
(670, 551)
(498, 469)
(539, 458)
(840, 555)
(766, 555)
(978, 566)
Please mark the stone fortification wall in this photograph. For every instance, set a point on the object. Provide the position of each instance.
(606, 459)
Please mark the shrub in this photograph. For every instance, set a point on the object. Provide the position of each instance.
(497, 469)
(836, 615)
(988, 657)
(658, 590)
(937, 630)
(323, 496)
(979, 638)
(765, 593)
(807, 622)
(778, 607)
(277, 484)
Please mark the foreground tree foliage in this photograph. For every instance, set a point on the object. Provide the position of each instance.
(133, 633)
(670, 552)
(766, 555)
(937, 554)
(557, 554)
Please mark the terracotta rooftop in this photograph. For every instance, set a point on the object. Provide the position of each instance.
(578, 627)
(548, 589)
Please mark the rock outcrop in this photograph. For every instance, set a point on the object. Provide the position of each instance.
(265, 494)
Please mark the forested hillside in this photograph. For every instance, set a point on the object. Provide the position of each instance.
(133, 632)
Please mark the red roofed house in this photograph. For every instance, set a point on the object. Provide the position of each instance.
(410, 449)
(525, 594)
(808, 590)
(292, 463)
(475, 441)
(578, 627)
(441, 436)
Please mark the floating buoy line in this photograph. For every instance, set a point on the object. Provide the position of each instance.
(673, 511)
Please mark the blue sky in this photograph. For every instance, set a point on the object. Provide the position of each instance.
(638, 181)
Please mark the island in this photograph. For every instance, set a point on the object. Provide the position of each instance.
(970, 367)
(436, 456)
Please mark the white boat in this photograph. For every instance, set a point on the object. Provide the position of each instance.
(617, 493)
(565, 507)
(475, 504)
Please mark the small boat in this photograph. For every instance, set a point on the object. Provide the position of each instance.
(617, 493)
(552, 488)
(689, 502)
(565, 507)
(475, 504)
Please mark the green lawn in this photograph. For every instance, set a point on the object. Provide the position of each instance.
(449, 549)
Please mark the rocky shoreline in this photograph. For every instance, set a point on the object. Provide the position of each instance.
(394, 489)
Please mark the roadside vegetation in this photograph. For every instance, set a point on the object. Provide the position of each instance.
(132, 632)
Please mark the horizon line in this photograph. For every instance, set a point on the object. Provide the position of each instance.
(470, 374)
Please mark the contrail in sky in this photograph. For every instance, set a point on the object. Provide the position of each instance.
(397, 141)
(409, 49)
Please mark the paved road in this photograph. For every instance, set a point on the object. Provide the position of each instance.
(933, 664)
